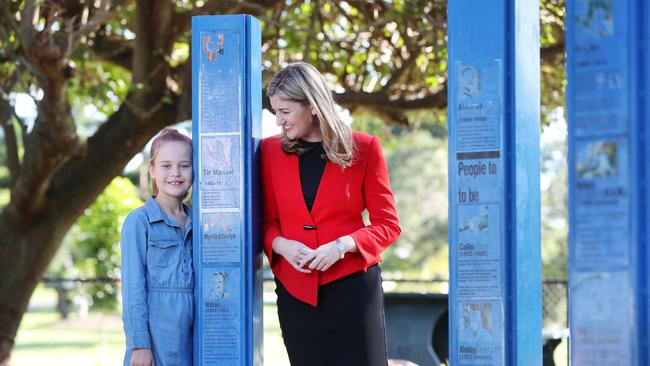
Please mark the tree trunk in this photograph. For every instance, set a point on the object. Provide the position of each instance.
(28, 245)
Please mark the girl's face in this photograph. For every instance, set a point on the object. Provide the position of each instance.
(295, 119)
(172, 169)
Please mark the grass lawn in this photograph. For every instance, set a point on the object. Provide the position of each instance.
(44, 339)
(98, 339)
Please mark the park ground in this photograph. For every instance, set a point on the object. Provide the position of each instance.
(97, 339)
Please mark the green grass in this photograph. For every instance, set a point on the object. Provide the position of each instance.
(44, 339)
(98, 339)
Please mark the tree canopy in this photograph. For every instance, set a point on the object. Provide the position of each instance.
(127, 62)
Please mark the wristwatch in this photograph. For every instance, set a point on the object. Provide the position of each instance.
(341, 248)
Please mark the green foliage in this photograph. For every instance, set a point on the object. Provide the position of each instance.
(417, 162)
(91, 248)
(553, 80)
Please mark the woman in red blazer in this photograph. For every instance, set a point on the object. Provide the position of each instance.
(318, 177)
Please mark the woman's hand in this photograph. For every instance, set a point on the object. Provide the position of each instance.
(293, 251)
(326, 255)
(323, 257)
(142, 357)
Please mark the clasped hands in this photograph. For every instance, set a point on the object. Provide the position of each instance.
(305, 259)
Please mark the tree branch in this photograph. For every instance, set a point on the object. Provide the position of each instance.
(397, 74)
(550, 52)
(384, 101)
(118, 51)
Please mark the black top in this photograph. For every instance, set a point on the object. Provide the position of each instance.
(312, 166)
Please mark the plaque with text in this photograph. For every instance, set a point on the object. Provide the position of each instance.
(601, 333)
(601, 203)
(480, 334)
(479, 240)
(221, 237)
(600, 98)
(479, 250)
(220, 82)
(222, 312)
(220, 171)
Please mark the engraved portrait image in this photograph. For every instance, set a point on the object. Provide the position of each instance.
(596, 18)
(597, 159)
(470, 82)
(217, 290)
(216, 153)
(476, 224)
(476, 325)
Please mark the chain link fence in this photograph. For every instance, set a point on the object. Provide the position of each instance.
(555, 303)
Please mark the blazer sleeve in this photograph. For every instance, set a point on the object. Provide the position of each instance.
(384, 225)
(271, 223)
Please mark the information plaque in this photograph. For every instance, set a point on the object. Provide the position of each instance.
(606, 120)
(494, 244)
(226, 110)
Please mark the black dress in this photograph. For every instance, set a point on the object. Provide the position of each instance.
(347, 327)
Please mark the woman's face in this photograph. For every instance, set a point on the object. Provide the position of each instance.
(295, 120)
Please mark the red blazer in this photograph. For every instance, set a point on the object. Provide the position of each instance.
(343, 194)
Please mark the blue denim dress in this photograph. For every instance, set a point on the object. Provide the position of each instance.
(157, 285)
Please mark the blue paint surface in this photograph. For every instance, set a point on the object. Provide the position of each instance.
(494, 240)
(226, 110)
(607, 117)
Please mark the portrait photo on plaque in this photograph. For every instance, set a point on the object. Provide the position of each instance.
(221, 287)
(594, 18)
(480, 333)
(597, 159)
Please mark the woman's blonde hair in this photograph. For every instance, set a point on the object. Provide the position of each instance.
(301, 82)
(166, 135)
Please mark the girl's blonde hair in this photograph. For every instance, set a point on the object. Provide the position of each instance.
(301, 82)
(166, 135)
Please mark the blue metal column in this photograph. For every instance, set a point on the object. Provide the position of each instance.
(607, 116)
(226, 116)
(494, 199)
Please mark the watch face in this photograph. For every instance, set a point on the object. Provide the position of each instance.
(341, 248)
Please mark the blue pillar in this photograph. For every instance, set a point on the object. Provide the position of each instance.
(494, 199)
(607, 98)
(226, 116)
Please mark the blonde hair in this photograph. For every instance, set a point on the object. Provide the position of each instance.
(301, 82)
(166, 135)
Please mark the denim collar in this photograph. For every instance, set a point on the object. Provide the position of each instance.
(155, 213)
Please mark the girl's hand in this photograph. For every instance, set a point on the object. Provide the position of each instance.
(142, 357)
(293, 251)
(323, 257)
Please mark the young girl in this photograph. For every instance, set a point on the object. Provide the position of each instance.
(157, 274)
